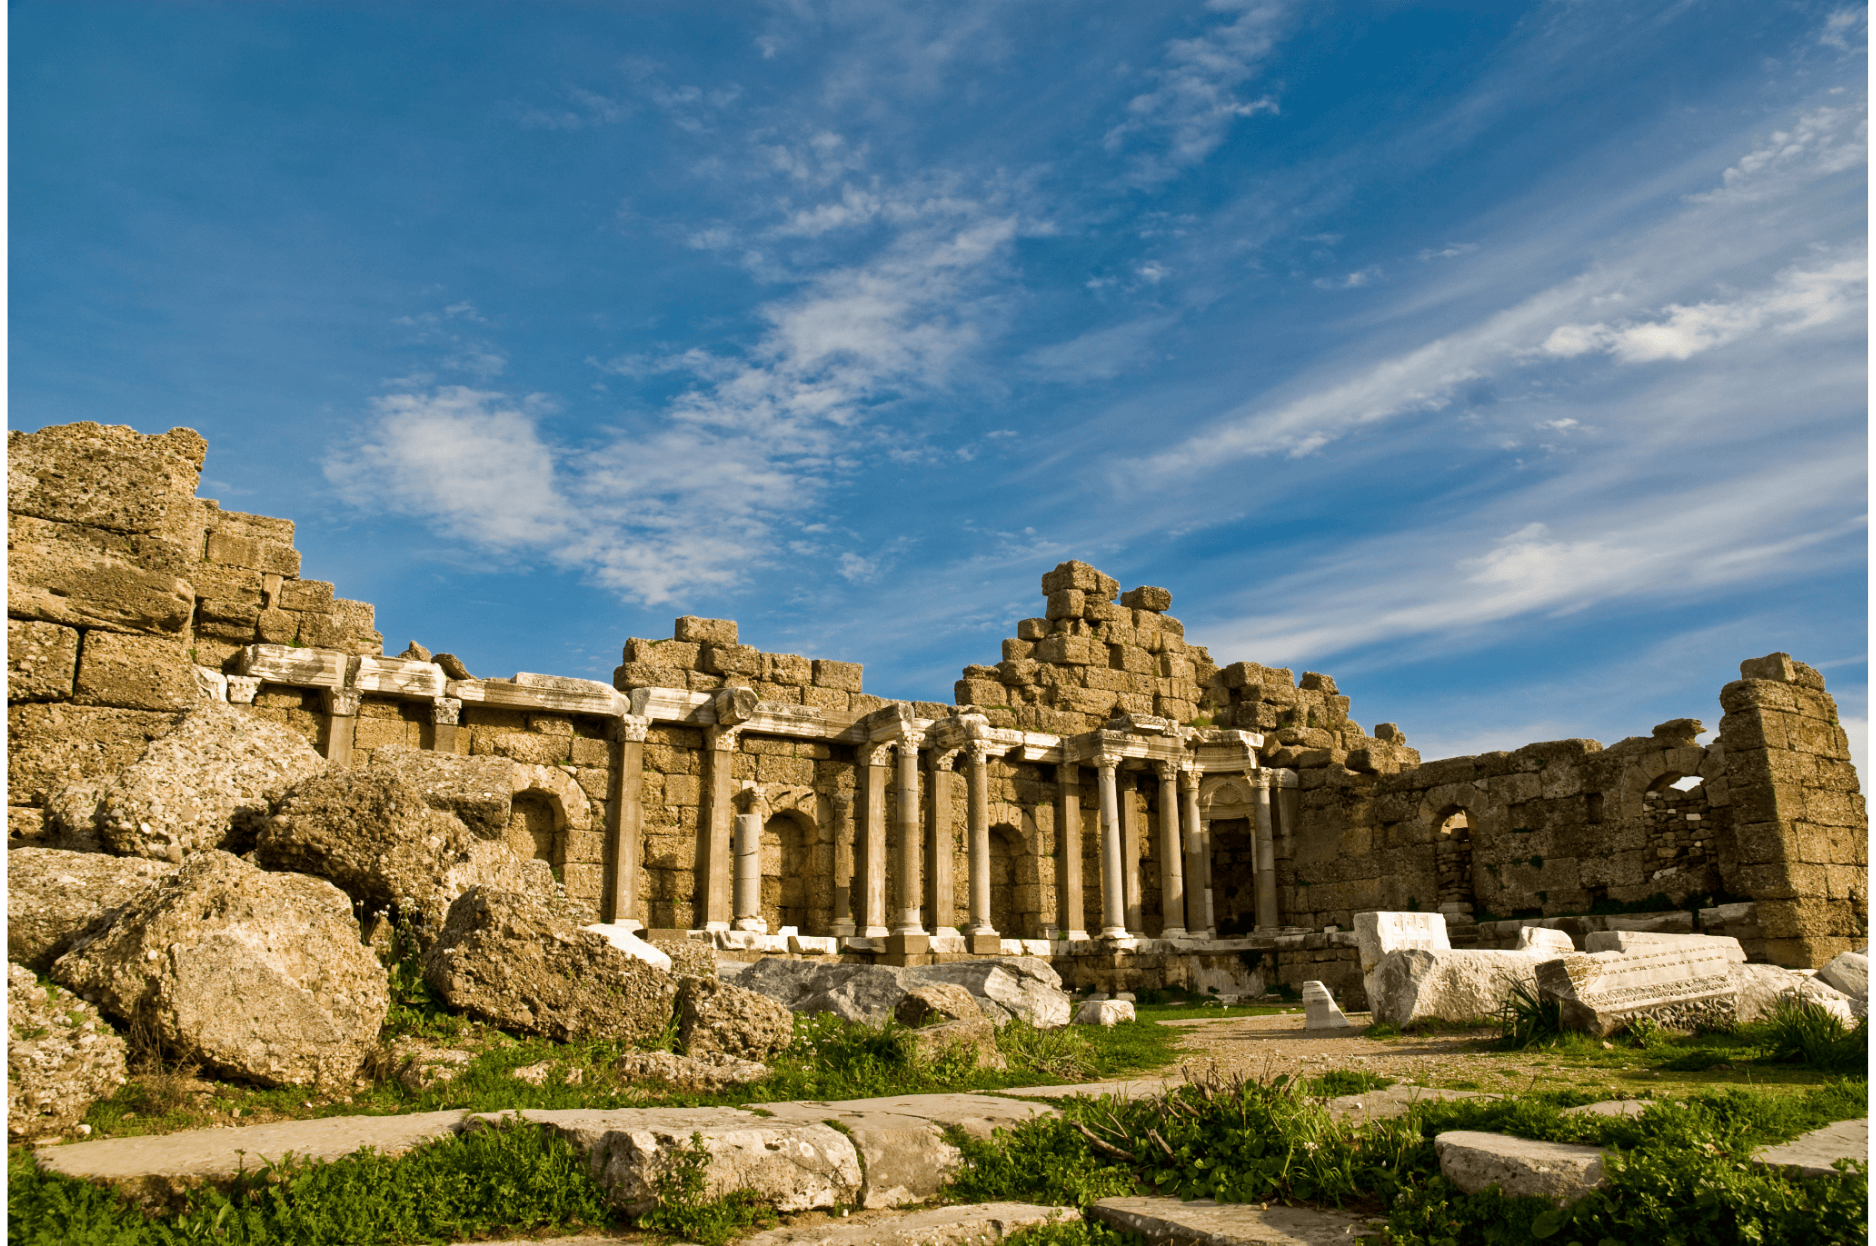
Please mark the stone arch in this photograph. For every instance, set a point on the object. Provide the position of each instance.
(544, 803)
(788, 842)
(1452, 860)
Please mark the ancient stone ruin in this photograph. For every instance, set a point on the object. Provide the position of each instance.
(1104, 796)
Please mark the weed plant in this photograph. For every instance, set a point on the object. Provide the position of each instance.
(1526, 1017)
(1803, 1032)
(685, 1214)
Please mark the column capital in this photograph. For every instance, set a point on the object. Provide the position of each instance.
(944, 760)
(1166, 770)
(909, 744)
(1106, 761)
(722, 739)
(242, 689)
(445, 711)
(1189, 775)
(630, 729)
(872, 753)
(342, 702)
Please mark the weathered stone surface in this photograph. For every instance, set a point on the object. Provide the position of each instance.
(718, 1018)
(164, 1165)
(1320, 1011)
(705, 1073)
(108, 475)
(418, 1065)
(135, 672)
(942, 1001)
(379, 840)
(1849, 973)
(206, 784)
(629, 943)
(688, 956)
(53, 897)
(1026, 988)
(1447, 986)
(791, 1165)
(50, 747)
(1675, 984)
(478, 790)
(1104, 1012)
(1203, 1222)
(519, 961)
(967, 1224)
(1815, 1153)
(978, 1116)
(1845, 1007)
(1393, 1101)
(1645, 940)
(253, 975)
(1544, 939)
(42, 660)
(53, 581)
(863, 993)
(977, 1035)
(61, 1058)
(1609, 1107)
(1758, 988)
(1558, 1171)
(1377, 934)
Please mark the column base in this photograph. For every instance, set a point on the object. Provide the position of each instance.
(908, 943)
(716, 926)
(875, 932)
(756, 925)
(984, 943)
(1173, 932)
(1114, 932)
(843, 930)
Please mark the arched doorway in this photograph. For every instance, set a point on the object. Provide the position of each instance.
(788, 871)
(1452, 860)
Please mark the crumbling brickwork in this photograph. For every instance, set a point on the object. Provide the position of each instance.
(1103, 782)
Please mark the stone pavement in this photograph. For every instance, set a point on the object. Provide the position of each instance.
(1394, 1101)
(1814, 1153)
(1203, 1222)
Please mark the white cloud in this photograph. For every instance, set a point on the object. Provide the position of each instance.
(1099, 354)
(1188, 114)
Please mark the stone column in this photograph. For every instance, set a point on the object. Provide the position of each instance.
(843, 864)
(1068, 875)
(873, 850)
(242, 689)
(982, 934)
(626, 819)
(714, 828)
(1198, 865)
(1172, 873)
(445, 715)
(1266, 893)
(341, 725)
(1113, 890)
(911, 874)
(940, 848)
(749, 874)
(1132, 848)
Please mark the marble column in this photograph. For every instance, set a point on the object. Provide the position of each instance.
(842, 924)
(1198, 867)
(911, 873)
(1132, 848)
(445, 715)
(1266, 853)
(715, 829)
(341, 725)
(940, 846)
(1172, 873)
(874, 768)
(981, 932)
(748, 903)
(625, 821)
(1113, 889)
(1068, 836)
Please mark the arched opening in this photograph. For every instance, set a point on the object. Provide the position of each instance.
(1006, 851)
(532, 830)
(788, 871)
(1452, 857)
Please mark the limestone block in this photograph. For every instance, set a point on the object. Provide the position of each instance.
(726, 660)
(787, 668)
(1204, 1222)
(1544, 939)
(42, 659)
(674, 653)
(56, 582)
(1815, 1154)
(1017, 649)
(1320, 1011)
(54, 897)
(1157, 600)
(61, 1058)
(719, 1018)
(1104, 1012)
(1032, 629)
(54, 746)
(1558, 1171)
(135, 672)
(1377, 934)
(1071, 650)
(980, 692)
(1648, 940)
(1603, 992)
(1068, 603)
(108, 475)
(1132, 659)
(527, 747)
(1414, 983)
(842, 675)
(648, 675)
(705, 631)
(1849, 973)
(257, 553)
(937, 1001)
(629, 943)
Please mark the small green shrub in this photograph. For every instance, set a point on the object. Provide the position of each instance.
(1528, 1018)
(1337, 1082)
(687, 1215)
(1074, 1233)
(1800, 1031)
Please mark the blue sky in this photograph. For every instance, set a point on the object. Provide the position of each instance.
(1506, 361)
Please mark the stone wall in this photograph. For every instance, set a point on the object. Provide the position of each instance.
(129, 598)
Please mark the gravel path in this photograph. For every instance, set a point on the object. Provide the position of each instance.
(1267, 1046)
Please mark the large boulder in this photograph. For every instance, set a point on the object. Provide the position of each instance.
(254, 975)
(1849, 973)
(867, 994)
(521, 961)
(716, 1018)
(1024, 988)
(378, 837)
(478, 790)
(936, 1003)
(206, 784)
(61, 1058)
(54, 896)
(1416, 984)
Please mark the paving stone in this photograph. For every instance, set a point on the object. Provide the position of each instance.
(1814, 1153)
(976, 1115)
(164, 1165)
(1136, 1089)
(1558, 1171)
(964, 1225)
(1380, 1105)
(1203, 1222)
(1610, 1107)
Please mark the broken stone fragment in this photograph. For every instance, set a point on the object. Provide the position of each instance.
(61, 1058)
(53, 897)
(1320, 1011)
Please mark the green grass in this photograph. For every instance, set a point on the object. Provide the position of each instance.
(1208, 1012)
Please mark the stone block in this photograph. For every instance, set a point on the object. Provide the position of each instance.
(528, 747)
(42, 660)
(704, 631)
(980, 692)
(1068, 603)
(1773, 666)
(1849, 973)
(1650, 940)
(787, 668)
(1816, 1154)
(1520, 1167)
(1320, 1011)
(277, 627)
(1067, 650)
(110, 476)
(731, 659)
(1132, 659)
(1543, 939)
(1075, 574)
(646, 675)
(1155, 600)
(1203, 1222)
(1104, 1012)
(1604, 992)
(304, 595)
(79, 586)
(1416, 984)
(232, 549)
(844, 676)
(135, 672)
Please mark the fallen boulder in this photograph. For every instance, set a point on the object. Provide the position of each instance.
(255, 975)
(1104, 1012)
(1840, 1004)
(1377, 934)
(1849, 973)
(1416, 984)
(479, 791)
(1757, 989)
(1681, 985)
(206, 784)
(54, 896)
(521, 961)
(1543, 939)
(377, 837)
(936, 1002)
(717, 1018)
(867, 994)
(976, 1035)
(61, 1058)
(1024, 988)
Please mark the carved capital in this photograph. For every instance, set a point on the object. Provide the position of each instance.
(722, 739)
(242, 689)
(1166, 770)
(1189, 776)
(1106, 761)
(944, 760)
(630, 729)
(445, 711)
(879, 754)
(342, 702)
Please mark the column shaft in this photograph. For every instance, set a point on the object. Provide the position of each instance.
(749, 874)
(1068, 836)
(341, 726)
(714, 866)
(1132, 845)
(873, 865)
(626, 822)
(911, 880)
(1198, 875)
(977, 776)
(1266, 893)
(1172, 875)
(1113, 890)
(843, 864)
(940, 850)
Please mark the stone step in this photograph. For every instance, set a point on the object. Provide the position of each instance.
(1203, 1222)
(1394, 1101)
(1558, 1171)
(1813, 1154)
(967, 1224)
